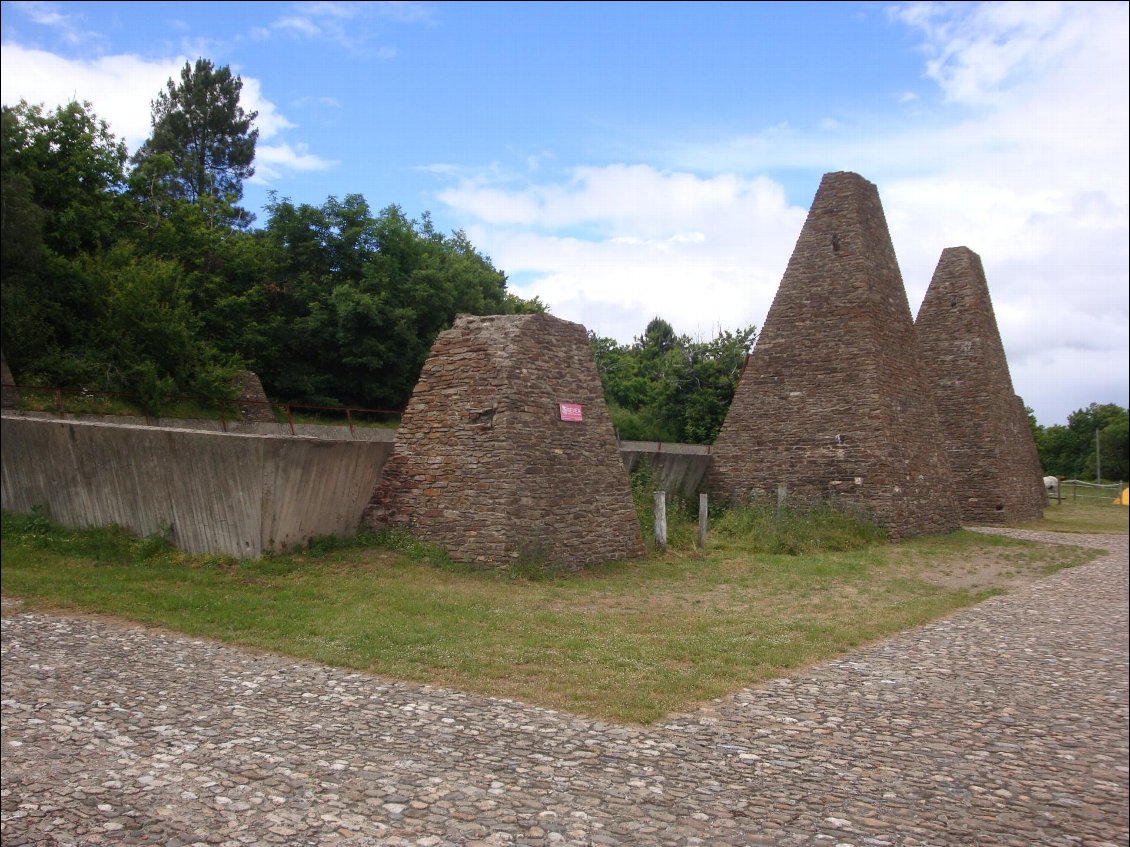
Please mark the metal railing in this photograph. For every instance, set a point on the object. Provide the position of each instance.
(227, 409)
(1077, 490)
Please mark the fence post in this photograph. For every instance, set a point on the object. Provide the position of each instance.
(703, 515)
(660, 521)
(782, 496)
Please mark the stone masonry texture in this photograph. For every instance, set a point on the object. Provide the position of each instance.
(9, 394)
(253, 404)
(485, 466)
(991, 449)
(833, 403)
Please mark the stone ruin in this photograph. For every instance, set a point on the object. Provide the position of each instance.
(833, 403)
(506, 451)
(984, 426)
(252, 403)
(9, 393)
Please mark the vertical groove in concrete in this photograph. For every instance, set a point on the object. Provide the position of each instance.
(209, 492)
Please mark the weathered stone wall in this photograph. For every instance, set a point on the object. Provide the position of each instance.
(9, 393)
(832, 402)
(991, 450)
(1029, 454)
(483, 464)
(253, 403)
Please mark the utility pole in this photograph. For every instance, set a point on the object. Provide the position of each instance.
(1098, 460)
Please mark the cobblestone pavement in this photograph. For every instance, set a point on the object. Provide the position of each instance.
(1005, 724)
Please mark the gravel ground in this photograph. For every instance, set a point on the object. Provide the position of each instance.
(1005, 724)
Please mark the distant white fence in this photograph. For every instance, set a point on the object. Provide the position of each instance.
(1078, 491)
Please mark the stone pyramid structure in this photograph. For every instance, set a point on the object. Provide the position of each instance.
(991, 450)
(506, 451)
(832, 403)
(252, 403)
(9, 393)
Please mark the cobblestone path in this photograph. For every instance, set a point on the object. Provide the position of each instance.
(1005, 724)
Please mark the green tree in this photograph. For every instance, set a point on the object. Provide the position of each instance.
(202, 146)
(68, 166)
(61, 173)
(149, 335)
(356, 299)
(667, 387)
(1070, 451)
(715, 368)
(1115, 446)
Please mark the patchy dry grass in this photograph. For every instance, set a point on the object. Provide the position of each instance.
(1082, 517)
(628, 641)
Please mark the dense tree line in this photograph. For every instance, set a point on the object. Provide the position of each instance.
(668, 387)
(1097, 435)
(143, 275)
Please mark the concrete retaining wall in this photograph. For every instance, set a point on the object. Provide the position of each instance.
(330, 432)
(241, 495)
(676, 468)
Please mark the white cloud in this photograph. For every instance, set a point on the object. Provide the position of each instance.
(66, 27)
(298, 26)
(122, 88)
(269, 121)
(274, 160)
(702, 253)
(1027, 166)
(44, 14)
(345, 24)
(983, 50)
(1036, 183)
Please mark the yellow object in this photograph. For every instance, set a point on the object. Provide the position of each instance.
(1124, 499)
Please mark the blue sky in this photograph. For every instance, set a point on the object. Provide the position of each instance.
(623, 161)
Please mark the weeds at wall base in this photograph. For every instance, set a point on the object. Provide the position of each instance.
(759, 528)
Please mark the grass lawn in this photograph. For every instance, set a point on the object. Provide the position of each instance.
(1084, 517)
(627, 642)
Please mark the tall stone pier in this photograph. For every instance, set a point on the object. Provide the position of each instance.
(9, 393)
(506, 450)
(253, 404)
(991, 449)
(832, 404)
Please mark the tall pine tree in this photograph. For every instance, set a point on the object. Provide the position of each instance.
(202, 147)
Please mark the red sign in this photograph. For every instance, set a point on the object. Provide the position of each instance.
(572, 411)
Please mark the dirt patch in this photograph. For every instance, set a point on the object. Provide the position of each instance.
(1002, 570)
(979, 572)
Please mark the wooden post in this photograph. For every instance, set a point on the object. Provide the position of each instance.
(782, 496)
(661, 521)
(703, 514)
